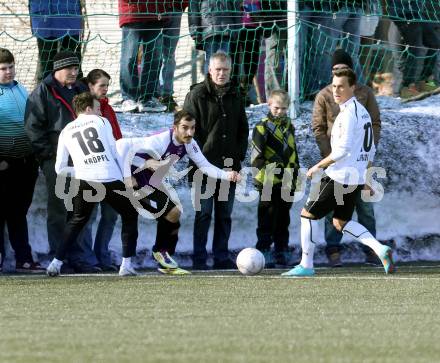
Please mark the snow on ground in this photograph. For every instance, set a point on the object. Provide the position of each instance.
(409, 211)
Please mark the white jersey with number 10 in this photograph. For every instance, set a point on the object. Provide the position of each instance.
(352, 141)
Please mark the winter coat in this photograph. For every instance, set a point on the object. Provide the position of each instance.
(207, 18)
(273, 143)
(222, 129)
(47, 113)
(146, 11)
(14, 142)
(46, 26)
(108, 112)
(325, 110)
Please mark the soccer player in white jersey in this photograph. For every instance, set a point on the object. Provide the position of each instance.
(89, 142)
(345, 172)
(154, 155)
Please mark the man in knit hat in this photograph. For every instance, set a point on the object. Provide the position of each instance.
(325, 111)
(48, 111)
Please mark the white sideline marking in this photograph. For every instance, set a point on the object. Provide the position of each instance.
(206, 274)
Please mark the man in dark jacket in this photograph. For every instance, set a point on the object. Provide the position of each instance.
(222, 133)
(48, 111)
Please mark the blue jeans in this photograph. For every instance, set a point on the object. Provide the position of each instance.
(104, 233)
(317, 60)
(365, 213)
(170, 39)
(140, 84)
(222, 225)
(214, 44)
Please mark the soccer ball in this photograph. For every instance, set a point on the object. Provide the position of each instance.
(250, 261)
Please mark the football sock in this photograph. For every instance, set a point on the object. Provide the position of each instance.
(57, 262)
(359, 232)
(167, 236)
(126, 261)
(307, 243)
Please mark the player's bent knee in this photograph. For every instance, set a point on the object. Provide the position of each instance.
(173, 215)
(339, 224)
(306, 214)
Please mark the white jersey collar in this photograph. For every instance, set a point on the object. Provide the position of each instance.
(344, 105)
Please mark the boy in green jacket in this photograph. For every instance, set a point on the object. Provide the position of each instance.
(274, 155)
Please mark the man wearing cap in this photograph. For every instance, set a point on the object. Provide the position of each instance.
(48, 111)
(325, 110)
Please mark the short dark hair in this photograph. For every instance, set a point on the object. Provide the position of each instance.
(6, 56)
(96, 74)
(346, 72)
(82, 101)
(182, 115)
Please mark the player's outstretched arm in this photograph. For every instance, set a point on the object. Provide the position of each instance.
(196, 155)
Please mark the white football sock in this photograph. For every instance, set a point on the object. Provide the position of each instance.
(359, 232)
(307, 243)
(57, 262)
(126, 261)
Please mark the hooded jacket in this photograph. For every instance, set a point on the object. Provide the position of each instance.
(47, 113)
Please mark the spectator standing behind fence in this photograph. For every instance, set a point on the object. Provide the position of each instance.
(18, 167)
(274, 155)
(98, 81)
(222, 134)
(58, 26)
(416, 35)
(170, 38)
(48, 111)
(275, 23)
(142, 24)
(328, 25)
(214, 26)
(325, 111)
(247, 53)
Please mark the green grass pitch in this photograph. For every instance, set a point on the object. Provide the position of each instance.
(352, 314)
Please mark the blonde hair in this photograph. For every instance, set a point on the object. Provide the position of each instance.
(281, 95)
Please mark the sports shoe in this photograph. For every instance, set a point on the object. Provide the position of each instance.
(164, 259)
(269, 261)
(169, 102)
(410, 91)
(29, 267)
(174, 271)
(85, 268)
(386, 256)
(428, 86)
(224, 265)
(127, 271)
(108, 268)
(371, 259)
(334, 259)
(200, 265)
(152, 105)
(53, 269)
(299, 271)
(129, 106)
(281, 258)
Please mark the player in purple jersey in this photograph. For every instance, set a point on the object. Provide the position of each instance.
(150, 159)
